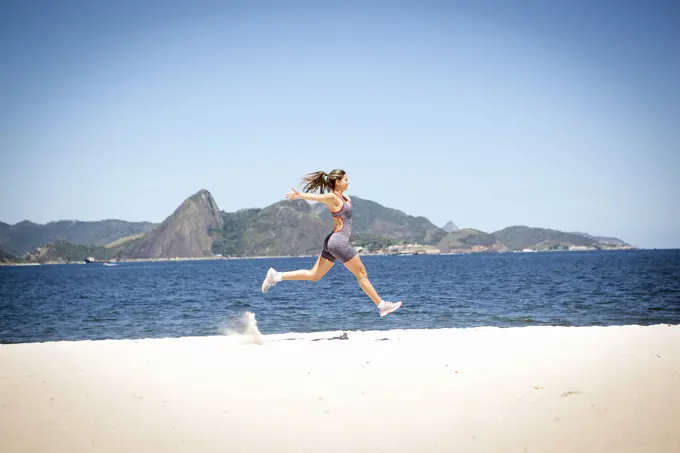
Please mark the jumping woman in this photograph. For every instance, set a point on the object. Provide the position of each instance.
(337, 245)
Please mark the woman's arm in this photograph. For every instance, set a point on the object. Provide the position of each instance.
(327, 198)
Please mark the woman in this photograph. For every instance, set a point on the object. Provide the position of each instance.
(337, 245)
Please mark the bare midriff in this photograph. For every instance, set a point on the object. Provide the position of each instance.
(338, 224)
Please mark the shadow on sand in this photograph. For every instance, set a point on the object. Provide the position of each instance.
(344, 336)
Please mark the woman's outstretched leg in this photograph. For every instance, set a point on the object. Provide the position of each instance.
(321, 267)
(359, 270)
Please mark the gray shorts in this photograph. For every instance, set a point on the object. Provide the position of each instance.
(336, 245)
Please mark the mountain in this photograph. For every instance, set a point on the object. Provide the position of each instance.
(470, 239)
(299, 228)
(289, 227)
(67, 252)
(373, 220)
(8, 258)
(186, 233)
(602, 240)
(26, 236)
(450, 227)
(521, 237)
(197, 228)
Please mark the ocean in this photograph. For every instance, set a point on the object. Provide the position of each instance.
(199, 298)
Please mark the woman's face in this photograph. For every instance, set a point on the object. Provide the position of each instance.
(342, 184)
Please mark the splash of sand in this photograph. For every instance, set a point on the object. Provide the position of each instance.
(244, 326)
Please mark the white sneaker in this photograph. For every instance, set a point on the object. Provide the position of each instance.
(269, 280)
(385, 308)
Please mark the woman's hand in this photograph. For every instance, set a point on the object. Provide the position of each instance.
(293, 194)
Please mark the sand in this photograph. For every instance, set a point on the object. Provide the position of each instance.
(531, 389)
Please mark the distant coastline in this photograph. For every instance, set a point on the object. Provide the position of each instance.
(235, 258)
(199, 230)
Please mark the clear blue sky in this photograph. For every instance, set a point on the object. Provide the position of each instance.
(560, 114)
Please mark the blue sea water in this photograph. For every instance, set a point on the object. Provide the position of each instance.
(197, 298)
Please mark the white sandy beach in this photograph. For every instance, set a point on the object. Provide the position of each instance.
(533, 389)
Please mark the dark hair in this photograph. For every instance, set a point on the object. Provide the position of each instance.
(322, 181)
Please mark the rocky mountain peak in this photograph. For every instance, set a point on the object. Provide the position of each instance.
(450, 227)
(187, 232)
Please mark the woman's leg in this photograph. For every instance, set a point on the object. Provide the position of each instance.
(316, 273)
(321, 267)
(359, 270)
